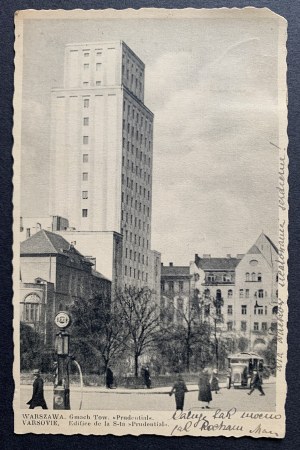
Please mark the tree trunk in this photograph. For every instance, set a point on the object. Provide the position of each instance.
(136, 365)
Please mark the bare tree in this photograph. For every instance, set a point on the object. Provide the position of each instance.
(183, 325)
(140, 316)
(97, 325)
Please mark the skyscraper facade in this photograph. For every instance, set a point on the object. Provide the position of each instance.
(102, 150)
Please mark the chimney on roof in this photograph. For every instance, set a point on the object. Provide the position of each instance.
(228, 255)
(240, 256)
(171, 264)
(207, 255)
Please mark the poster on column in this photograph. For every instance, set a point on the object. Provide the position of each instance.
(150, 222)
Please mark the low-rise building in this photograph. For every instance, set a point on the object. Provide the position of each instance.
(54, 273)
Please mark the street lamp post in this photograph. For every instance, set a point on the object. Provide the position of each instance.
(61, 393)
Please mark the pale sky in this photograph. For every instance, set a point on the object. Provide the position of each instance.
(212, 86)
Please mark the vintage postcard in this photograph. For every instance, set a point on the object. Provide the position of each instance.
(150, 222)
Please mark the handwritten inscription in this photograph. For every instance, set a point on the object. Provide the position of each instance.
(203, 423)
(280, 323)
(281, 254)
(260, 430)
(281, 184)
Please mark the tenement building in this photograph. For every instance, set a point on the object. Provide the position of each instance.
(175, 293)
(102, 151)
(237, 294)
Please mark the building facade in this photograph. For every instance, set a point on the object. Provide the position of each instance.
(175, 293)
(53, 275)
(237, 295)
(102, 150)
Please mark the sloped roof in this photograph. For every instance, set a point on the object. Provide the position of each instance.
(175, 271)
(272, 243)
(44, 243)
(99, 275)
(218, 263)
(254, 250)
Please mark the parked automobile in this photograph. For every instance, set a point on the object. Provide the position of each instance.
(240, 369)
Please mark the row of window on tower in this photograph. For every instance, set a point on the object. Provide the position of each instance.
(131, 164)
(136, 256)
(135, 135)
(136, 273)
(140, 173)
(98, 52)
(88, 66)
(134, 239)
(134, 80)
(137, 223)
(138, 118)
(142, 192)
(138, 207)
(138, 188)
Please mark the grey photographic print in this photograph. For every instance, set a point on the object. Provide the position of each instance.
(150, 222)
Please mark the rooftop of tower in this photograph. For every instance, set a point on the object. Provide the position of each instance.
(116, 42)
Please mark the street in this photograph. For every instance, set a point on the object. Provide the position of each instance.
(96, 398)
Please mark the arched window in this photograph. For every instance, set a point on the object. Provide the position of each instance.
(229, 293)
(253, 276)
(260, 293)
(32, 308)
(275, 310)
(247, 276)
(259, 277)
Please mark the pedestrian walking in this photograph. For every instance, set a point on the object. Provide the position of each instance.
(37, 398)
(214, 382)
(179, 388)
(109, 378)
(256, 383)
(204, 388)
(147, 377)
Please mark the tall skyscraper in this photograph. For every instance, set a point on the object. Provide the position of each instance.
(102, 148)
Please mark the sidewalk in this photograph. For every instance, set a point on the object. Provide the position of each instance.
(144, 391)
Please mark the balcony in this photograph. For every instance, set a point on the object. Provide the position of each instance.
(218, 283)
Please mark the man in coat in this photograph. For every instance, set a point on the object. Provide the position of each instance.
(147, 378)
(256, 383)
(180, 389)
(204, 388)
(37, 398)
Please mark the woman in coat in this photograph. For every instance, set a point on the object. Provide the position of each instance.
(180, 389)
(204, 388)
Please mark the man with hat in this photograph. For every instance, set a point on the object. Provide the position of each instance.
(37, 398)
(256, 383)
